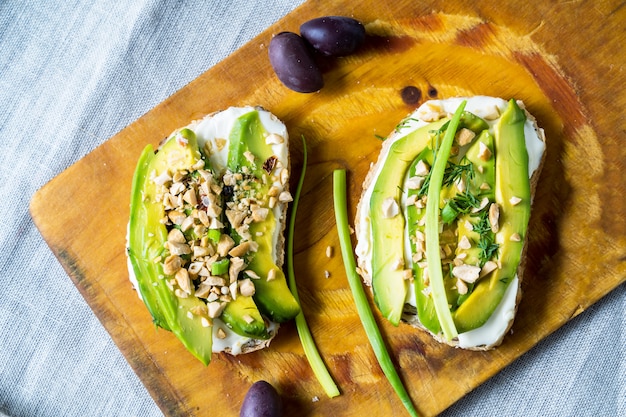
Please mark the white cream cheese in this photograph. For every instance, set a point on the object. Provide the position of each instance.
(490, 109)
(215, 128)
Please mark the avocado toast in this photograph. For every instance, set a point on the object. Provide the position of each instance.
(442, 221)
(205, 240)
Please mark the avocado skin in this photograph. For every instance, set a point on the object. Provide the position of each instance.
(273, 298)
(146, 238)
(511, 180)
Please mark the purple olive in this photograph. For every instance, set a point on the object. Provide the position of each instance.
(333, 35)
(262, 400)
(293, 63)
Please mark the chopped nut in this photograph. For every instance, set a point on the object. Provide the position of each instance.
(415, 182)
(206, 323)
(187, 224)
(215, 309)
(220, 143)
(176, 236)
(326, 274)
(190, 197)
(284, 176)
(285, 197)
(398, 264)
(183, 281)
(250, 273)
(249, 156)
(178, 248)
(215, 281)
(483, 203)
(407, 274)
(488, 267)
(199, 310)
(460, 185)
(200, 251)
(259, 214)
(274, 139)
(240, 249)
(177, 188)
(274, 191)
(235, 267)
(468, 273)
(203, 217)
(485, 187)
(464, 243)
(390, 208)
(225, 244)
(515, 200)
(464, 136)
(162, 178)
(176, 217)
(246, 287)
(494, 217)
(172, 264)
(515, 237)
(194, 268)
(329, 251)
(271, 275)
(221, 334)
(484, 152)
(235, 217)
(180, 293)
(461, 287)
(248, 318)
(421, 168)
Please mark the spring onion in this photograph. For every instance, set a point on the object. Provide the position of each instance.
(365, 313)
(308, 344)
(431, 228)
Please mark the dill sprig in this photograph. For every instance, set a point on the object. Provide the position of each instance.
(488, 248)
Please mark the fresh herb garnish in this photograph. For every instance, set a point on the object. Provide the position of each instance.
(405, 123)
(487, 247)
(455, 172)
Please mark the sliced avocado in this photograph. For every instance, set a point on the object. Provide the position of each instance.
(244, 318)
(272, 296)
(511, 181)
(147, 236)
(388, 280)
(424, 302)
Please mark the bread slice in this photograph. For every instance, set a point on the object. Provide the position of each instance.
(213, 133)
(490, 109)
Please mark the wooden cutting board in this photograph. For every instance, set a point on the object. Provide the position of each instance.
(565, 60)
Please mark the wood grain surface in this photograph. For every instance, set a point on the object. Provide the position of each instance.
(564, 59)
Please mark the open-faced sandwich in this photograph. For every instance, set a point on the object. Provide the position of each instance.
(442, 222)
(205, 238)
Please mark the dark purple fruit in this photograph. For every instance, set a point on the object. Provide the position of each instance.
(262, 400)
(333, 35)
(293, 63)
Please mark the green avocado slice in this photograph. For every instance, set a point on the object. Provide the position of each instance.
(512, 194)
(147, 236)
(389, 282)
(248, 137)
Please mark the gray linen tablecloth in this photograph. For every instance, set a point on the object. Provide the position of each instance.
(74, 73)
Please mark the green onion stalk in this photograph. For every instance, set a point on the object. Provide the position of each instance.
(308, 344)
(365, 313)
